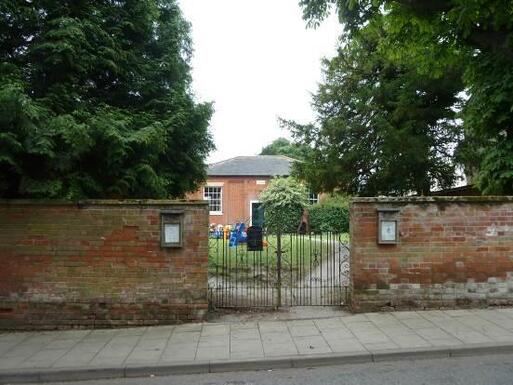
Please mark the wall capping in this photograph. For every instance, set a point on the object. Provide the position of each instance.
(101, 202)
(434, 199)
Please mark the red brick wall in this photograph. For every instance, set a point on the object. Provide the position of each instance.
(237, 193)
(452, 252)
(99, 264)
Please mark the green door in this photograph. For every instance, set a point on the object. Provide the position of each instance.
(257, 214)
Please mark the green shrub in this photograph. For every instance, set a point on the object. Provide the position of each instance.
(283, 202)
(332, 214)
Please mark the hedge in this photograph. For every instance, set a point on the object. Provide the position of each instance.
(332, 214)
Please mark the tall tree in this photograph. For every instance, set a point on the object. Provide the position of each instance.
(433, 35)
(95, 100)
(283, 146)
(382, 128)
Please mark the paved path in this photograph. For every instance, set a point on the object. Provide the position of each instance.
(79, 354)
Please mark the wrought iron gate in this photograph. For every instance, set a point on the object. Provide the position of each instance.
(292, 270)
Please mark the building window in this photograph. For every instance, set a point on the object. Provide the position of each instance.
(313, 198)
(214, 195)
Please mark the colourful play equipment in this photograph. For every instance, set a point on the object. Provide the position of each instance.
(234, 235)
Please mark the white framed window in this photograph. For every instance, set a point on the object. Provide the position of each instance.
(214, 196)
(313, 198)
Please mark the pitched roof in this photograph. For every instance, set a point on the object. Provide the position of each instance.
(259, 165)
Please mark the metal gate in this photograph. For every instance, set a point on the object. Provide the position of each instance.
(292, 270)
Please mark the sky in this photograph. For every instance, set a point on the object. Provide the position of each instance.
(257, 61)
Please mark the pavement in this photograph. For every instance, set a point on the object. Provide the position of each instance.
(233, 346)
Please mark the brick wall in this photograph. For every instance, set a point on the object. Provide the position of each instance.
(451, 252)
(99, 264)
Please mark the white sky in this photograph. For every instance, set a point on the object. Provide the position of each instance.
(257, 61)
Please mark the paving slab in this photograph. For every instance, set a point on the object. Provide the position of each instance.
(349, 345)
(312, 345)
(250, 345)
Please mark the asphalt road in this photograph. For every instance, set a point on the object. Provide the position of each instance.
(484, 370)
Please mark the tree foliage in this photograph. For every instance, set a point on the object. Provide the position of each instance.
(283, 146)
(95, 101)
(283, 201)
(433, 36)
(382, 128)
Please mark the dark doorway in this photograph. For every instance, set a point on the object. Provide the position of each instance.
(257, 214)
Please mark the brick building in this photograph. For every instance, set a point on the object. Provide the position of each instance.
(234, 185)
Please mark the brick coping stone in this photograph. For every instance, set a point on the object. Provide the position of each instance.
(434, 199)
(100, 202)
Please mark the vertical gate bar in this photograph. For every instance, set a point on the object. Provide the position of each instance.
(337, 262)
(331, 257)
(230, 292)
(216, 259)
(333, 260)
(310, 271)
(246, 267)
(227, 273)
(297, 257)
(324, 252)
(260, 277)
(217, 262)
(237, 278)
(267, 278)
(267, 268)
(328, 265)
(320, 271)
(337, 277)
(319, 251)
(327, 272)
(340, 269)
(303, 270)
(333, 274)
(253, 281)
(219, 279)
(256, 278)
(220, 288)
(291, 256)
(224, 271)
(278, 267)
(323, 256)
(228, 282)
(300, 266)
(249, 276)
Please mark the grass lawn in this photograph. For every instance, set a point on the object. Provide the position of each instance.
(298, 253)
